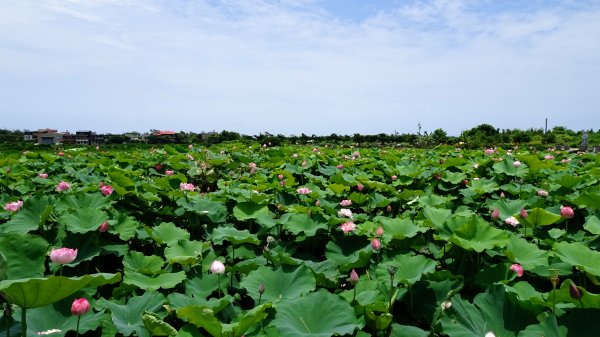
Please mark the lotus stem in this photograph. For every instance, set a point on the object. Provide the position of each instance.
(77, 329)
(219, 284)
(354, 295)
(23, 322)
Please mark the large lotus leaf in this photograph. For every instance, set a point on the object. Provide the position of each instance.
(121, 184)
(474, 233)
(179, 300)
(407, 331)
(298, 223)
(351, 252)
(125, 226)
(154, 282)
(233, 235)
(128, 317)
(298, 317)
(378, 200)
(508, 207)
(279, 284)
(213, 211)
(326, 272)
(82, 200)
(527, 254)
(410, 268)
(589, 199)
(84, 220)
(578, 254)
(58, 316)
(453, 177)
(432, 292)
(592, 225)
(3, 267)
(156, 326)
(249, 210)
(205, 285)
(527, 293)
(38, 292)
(34, 213)
(398, 228)
(548, 328)
(185, 252)
(507, 167)
(495, 310)
(481, 187)
(437, 216)
(141, 263)
(25, 255)
(86, 244)
(168, 233)
(541, 217)
(204, 317)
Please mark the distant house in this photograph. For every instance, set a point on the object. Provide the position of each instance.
(49, 136)
(85, 137)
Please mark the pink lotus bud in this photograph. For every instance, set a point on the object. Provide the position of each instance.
(280, 177)
(575, 292)
(346, 202)
(43, 175)
(360, 187)
(303, 190)
(502, 195)
(103, 227)
(394, 177)
(340, 166)
(63, 186)
(169, 172)
(190, 147)
(353, 277)
(388, 208)
(261, 288)
(542, 193)
(517, 268)
(375, 244)
(63, 255)
(106, 190)
(282, 183)
(80, 306)
(380, 231)
(217, 267)
(567, 212)
(524, 213)
(158, 167)
(496, 214)
(318, 203)
(549, 157)
(61, 153)
(517, 163)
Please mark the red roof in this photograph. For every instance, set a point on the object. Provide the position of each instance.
(163, 133)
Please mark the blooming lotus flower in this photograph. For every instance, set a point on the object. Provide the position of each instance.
(186, 187)
(446, 305)
(517, 163)
(567, 212)
(169, 172)
(106, 190)
(517, 268)
(303, 190)
(61, 153)
(63, 186)
(252, 167)
(190, 147)
(353, 277)
(13, 206)
(347, 227)
(542, 193)
(549, 157)
(43, 175)
(511, 220)
(489, 334)
(295, 155)
(103, 227)
(346, 213)
(217, 267)
(63, 255)
(375, 244)
(80, 306)
(346, 202)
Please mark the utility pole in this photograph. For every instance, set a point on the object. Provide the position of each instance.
(546, 128)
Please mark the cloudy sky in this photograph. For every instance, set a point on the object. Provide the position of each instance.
(299, 66)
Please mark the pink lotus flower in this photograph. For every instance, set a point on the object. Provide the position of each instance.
(380, 231)
(13, 206)
(43, 175)
(63, 186)
(511, 220)
(340, 166)
(353, 277)
(169, 172)
(280, 176)
(63, 255)
(80, 306)
(103, 227)
(190, 147)
(517, 268)
(303, 190)
(217, 267)
(347, 227)
(394, 177)
(567, 212)
(542, 193)
(186, 187)
(356, 154)
(360, 187)
(496, 214)
(61, 153)
(549, 157)
(489, 152)
(502, 195)
(517, 163)
(158, 167)
(346, 202)
(375, 244)
(566, 160)
(106, 190)
(346, 213)
(317, 203)
(523, 213)
(190, 157)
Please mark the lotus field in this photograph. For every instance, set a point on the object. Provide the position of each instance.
(250, 240)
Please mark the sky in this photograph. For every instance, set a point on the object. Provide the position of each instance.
(299, 66)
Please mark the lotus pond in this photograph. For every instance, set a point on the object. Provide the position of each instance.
(250, 240)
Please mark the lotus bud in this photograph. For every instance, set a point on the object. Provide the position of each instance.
(496, 214)
(80, 306)
(380, 231)
(375, 244)
(261, 288)
(353, 277)
(524, 213)
(575, 292)
(103, 227)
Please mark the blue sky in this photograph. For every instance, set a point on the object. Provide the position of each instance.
(299, 66)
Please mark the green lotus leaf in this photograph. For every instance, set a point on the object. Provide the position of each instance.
(178, 300)
(410, 268)
(82, 200)
(25, 255)
(125, 226)
(128, 317)
(437, 216)
(578, 254)
(38, 292)
(249, 210)
(589, 199)
(298, 223)
(234, 236)
(58, 316)
(592, 225)
(84, 220)
(507, 207)
(526, 293)
(298, 317)
(283, 283)
(3, 267)
(168, 233)
(154, 282)
(407, 331)
(398, 228)
(205, 285)
(121, 184)
(34, 214)
(213, 211)
(541, 217)
(453, 177)
(548, 328)
(156, 326)
(507, 167)
(527, 254)
(185, 252)
(141, 263)
(351, 252)
(204, 317)
(474, 233)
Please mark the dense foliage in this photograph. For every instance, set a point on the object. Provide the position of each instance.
(309, 242)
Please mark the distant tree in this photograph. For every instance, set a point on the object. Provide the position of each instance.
(439, 136)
